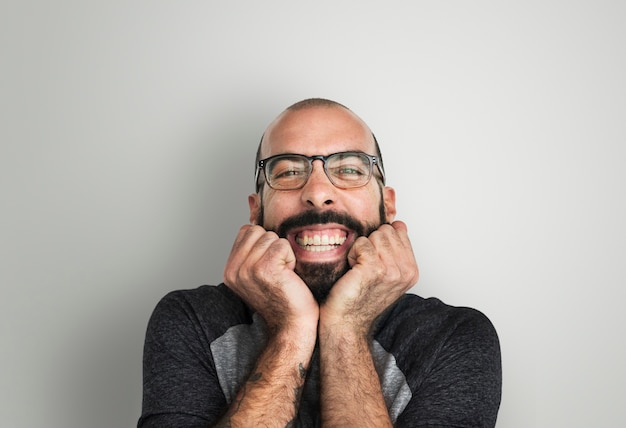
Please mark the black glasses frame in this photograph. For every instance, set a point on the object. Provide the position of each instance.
(373, 160)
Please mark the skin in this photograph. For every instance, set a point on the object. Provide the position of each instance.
(263, 270)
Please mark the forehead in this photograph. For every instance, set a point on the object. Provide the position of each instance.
(319, 130)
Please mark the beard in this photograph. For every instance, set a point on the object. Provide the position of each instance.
(321, 277)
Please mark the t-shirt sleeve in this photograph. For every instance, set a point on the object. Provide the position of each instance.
(180, 386)
(462, 386)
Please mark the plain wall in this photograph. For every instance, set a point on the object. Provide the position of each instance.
(128, 131)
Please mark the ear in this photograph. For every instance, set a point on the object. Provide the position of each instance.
(254, 202)
(389, 199)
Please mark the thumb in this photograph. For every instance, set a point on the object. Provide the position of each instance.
(361, 247)
(399, 225)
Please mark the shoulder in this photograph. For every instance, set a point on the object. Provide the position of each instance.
(431, 314)
(219, 297)
(178, 359)
(212, 309)
(451, 359)
(433, 327)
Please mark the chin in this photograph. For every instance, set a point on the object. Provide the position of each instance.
(321, 277)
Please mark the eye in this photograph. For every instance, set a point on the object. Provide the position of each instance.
(349, 170)
(349, 173)
(350, 167)
(287, 173)
(287, 168)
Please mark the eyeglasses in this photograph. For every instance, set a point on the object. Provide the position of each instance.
(345, 170)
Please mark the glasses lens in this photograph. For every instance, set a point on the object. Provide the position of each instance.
(287, 172)
(349, 169)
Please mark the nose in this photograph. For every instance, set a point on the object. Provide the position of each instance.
(318, 192)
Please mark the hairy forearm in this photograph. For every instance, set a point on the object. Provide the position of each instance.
(351, 394)
(271, 395)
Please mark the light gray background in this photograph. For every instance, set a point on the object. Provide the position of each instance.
(125, 126)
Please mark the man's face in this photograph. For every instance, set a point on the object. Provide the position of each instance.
(321, 221)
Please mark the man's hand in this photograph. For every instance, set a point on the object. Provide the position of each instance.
(383, 268)
(260, 269)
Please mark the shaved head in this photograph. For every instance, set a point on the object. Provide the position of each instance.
(314, 103)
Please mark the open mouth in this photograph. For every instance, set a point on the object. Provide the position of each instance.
(320, 241)
(320, 236)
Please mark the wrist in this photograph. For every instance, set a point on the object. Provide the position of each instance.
(354, 324)
(344, 328)
(296, 338)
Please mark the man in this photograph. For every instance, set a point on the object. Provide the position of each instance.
(313, 326)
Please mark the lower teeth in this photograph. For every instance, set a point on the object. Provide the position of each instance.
(319, 248)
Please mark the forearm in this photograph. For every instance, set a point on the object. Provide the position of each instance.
(351, 394)
(271, 395)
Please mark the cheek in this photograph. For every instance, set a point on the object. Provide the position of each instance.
(369, 203)
(364, 204)
(276, 207)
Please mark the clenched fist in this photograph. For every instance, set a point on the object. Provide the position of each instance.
(260, 269)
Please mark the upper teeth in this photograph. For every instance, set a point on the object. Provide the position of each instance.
(320, 240)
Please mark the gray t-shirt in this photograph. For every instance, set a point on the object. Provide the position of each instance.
(439, 365)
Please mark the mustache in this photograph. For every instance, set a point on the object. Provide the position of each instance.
(309, 218)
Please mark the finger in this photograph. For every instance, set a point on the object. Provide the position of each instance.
(372, 249)
(408, 267)
(262, 256)
(403, 233)
(249, 246)
(399, 226)
(361, 251)
(253, 241)
(396, 252)
(246, 238)
(279, 251)
(392, 238)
